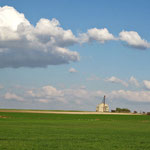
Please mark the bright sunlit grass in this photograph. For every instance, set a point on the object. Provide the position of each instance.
(31, 131)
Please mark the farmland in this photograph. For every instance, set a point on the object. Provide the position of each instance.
(42, 131)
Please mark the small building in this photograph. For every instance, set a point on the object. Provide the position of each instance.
(103, 107)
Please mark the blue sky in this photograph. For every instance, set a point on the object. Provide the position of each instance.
(106, 46)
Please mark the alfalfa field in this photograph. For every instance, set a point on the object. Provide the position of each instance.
(38, 131)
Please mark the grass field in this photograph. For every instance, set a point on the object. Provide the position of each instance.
(35, 131)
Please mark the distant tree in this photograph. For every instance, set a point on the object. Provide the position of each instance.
(118, 109)
(113, 110)
(124, 110)
(148, 113)
(135, 112)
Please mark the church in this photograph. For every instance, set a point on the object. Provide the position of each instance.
(103, 107)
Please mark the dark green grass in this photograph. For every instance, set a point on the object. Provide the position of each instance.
(29, 131)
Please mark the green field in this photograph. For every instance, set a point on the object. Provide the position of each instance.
(33, 131)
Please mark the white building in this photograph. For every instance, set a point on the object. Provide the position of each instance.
(103, 107)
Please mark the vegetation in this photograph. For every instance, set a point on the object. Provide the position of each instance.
(30, 131)
(113, 110)
(148, 113)
(123, 110)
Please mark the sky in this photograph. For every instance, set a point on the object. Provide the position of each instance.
(66, 55)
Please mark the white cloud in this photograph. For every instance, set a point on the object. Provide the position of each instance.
(76, 93)
(46, 91)
(51, 91)
(47, 94)
(23, 45)
(83, 96)
(72, 70)
(12, 96)
(117, 80)
(133, 81)
(43, 100)
(146, 84)
(10, 18)
(94, 34)
(100, 93)
(133, 39)
(137, 96)
(76, 98)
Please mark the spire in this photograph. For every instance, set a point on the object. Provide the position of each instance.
(104, 103)
(104, 99)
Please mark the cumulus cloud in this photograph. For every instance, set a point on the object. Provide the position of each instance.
(46, 43)
(48, 91)
(94, 34)
(75, 98)
(43, 100)
(134, 96)
(83, 96)
(47, 94)
(23, 45)
(137, 96)
(72, 70)
(146, 84)
(133, 39)
(51, 91)
(12, 96)
(134, 81)
(117, 80)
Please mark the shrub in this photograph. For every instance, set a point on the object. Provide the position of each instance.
(148, 113)
(124, 110)
(113, 110)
